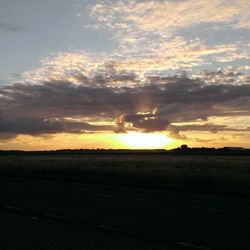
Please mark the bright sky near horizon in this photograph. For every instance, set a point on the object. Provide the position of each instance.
(124, 74)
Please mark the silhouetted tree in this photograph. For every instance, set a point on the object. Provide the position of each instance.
(184, 147)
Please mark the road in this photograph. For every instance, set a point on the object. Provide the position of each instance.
(174, 219)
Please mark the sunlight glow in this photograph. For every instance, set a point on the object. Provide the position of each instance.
(144, 140)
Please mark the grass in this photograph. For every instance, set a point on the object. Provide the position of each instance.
(199, 172)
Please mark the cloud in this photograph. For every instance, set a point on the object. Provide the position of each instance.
(213, 128)
(153, 33)
(9, 27)
(179, 132)
(120, 125)
(11, 126)
(241, 52)
(102, 101)
(228, 75)
(82, 68)
(135, 20)
(160, 35)
(175, 134)
(148, 122)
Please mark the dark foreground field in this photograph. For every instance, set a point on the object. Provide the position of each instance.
(159, 171)
(124, 202)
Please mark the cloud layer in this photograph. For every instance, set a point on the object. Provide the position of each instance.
(119, 101)
(165, 35)
(142, 22)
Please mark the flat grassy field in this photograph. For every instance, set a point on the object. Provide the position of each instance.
(143, 170)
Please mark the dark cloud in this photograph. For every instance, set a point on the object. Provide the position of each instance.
(9, 27)
(175, 131)
(175, 134)
(149, 106)
(36, 126)
(120, 125)
(225, 76)
(178, 132)
(147, 122)
(213, 128)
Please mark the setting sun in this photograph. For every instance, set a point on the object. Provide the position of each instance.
(144, 140)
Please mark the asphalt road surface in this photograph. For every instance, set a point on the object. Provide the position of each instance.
(171, 219)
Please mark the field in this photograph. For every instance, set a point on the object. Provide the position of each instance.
(188, 172)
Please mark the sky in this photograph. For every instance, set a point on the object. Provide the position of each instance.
(124, 74)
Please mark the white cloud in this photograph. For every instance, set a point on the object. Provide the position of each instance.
(147, 31)
(133, 19)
